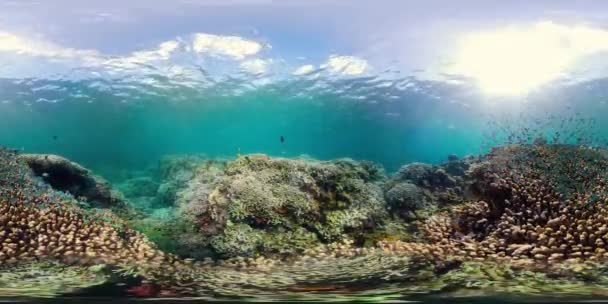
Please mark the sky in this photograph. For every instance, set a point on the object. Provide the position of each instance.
(411, 63)
(491, 42)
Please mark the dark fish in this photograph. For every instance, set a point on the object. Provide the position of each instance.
(54, 137)
(282, 139)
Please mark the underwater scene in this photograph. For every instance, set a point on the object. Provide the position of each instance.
(303, 151)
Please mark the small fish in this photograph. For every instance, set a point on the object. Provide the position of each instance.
(54, 137)
(282, 139)
(45, 175)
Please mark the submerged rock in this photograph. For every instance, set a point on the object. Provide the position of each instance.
(437, 185)
(425, 175)
(67, 176)
(259, 204)
(405, 198)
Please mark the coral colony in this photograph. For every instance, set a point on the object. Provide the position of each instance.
(527, 218)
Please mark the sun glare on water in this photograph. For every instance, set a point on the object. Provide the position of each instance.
(518, 59)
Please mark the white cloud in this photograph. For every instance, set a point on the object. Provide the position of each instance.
(23, 46)
(256, 66)
(347, 65)
(182, 59)
(179, 57)
(517, 59)
(231, 46)
(135, 59)
(303, 70)
(163, 52)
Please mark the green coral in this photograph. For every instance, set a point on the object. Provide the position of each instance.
(283, 241)
(329, 199)
(172, 234)
(237, 240)
(309, 201)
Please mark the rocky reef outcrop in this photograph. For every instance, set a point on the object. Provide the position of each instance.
(257, 204)
(42, 224)
(273, 206)
(67, 176)
(419, 189)
(521, 219)
(541, 202)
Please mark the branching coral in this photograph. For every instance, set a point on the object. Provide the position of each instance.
(538, 205)
(38, 223)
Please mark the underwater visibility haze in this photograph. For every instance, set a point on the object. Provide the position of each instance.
(257, 150)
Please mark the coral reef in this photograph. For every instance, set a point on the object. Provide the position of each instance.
(67, 176)
(541, 202)
(176, 171)
(261, 205)
(523, 219)
(405, 198)
(47, 279)
(252, 204)
(56, 231)
(172, 231)
(425, 187)
(41, 224)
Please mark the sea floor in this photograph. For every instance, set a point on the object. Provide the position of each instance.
(524, 223)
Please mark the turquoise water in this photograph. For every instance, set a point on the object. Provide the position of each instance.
(108, 134)
(109, 128)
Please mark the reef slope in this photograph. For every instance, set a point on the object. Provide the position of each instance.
(525, 219)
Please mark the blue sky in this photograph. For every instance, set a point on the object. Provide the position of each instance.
(404, 35)
(121, 26)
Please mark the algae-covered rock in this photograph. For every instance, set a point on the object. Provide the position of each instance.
(405, 198)
(248, 206)
(173, 235)
(67, 176)
(437, 185)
